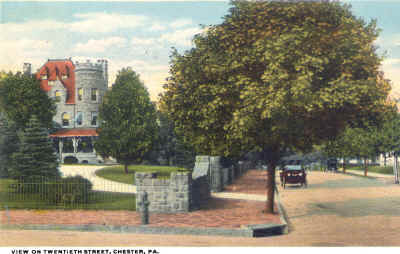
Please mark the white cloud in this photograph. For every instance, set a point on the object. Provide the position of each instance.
(15, 52)
(106, 22)
(95, 22)
(33, 25)
(143, 41)
(157, 27)
(181, 37)
(153, 74)
(391, 61)
(181, 23)
(99, 46)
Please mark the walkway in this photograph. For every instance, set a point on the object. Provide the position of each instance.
(99, 183)
(370, 174)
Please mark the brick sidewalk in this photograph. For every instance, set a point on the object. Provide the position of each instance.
(223, 213)
(253, 182)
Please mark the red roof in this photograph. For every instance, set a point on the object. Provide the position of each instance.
(75, 133)
(56, 69)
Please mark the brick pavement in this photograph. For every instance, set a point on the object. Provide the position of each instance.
(224, 213)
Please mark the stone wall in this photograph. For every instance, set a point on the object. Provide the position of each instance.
(171, 195)
(201, 187)
(219, 175)
(184, 192)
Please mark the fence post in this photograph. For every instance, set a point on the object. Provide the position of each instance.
(144, 208)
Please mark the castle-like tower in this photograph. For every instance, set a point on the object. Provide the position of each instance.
(78, 89)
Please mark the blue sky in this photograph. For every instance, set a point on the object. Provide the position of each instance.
(141, 34)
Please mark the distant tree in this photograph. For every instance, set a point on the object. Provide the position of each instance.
(35, 155)
(388, 144)
(362, 143)
(338, 148)
(21, 98)
(274, 76)
(128, 127)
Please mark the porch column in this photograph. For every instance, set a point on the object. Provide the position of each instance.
(75, 144)
(60, 148)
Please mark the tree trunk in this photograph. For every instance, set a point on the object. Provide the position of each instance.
(396, 170)
(365, 167)
(269, 206)
(384, 159)
(344, 165)
(126, 168)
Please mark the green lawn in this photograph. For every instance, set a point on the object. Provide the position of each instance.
(118, 174)
(376, 169)
(96, 200)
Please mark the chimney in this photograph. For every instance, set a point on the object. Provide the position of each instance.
(27, 69)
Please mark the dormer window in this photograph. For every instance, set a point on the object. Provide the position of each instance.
(43, 77)
(51, 82)
(64, 77)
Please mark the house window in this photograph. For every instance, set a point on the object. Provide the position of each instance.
(80, 94)
(57, 96)
(94, 119)
(65, 119)
(51, 82)
(79, 118)
(94, 94)
(43, 77)
(64, 77)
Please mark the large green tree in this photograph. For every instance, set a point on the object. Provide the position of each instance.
(128, 127)
(35, 155)
(8, 144)
(21, 98)
(273, 76)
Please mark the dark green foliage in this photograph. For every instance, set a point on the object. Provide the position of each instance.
(273, 76)
(35, 156)
(74, 189)
(128, 127)
(21, 97)
(8, 144)
(172, 146)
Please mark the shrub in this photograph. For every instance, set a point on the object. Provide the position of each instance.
(73, 190)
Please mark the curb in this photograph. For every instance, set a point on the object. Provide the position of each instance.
(282, 213)
(249, 231)
(358, 175)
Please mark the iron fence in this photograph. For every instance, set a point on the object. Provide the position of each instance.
(64, 193)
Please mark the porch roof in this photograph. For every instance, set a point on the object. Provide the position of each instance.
(75, 133)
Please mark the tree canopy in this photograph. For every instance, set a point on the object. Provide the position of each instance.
(128, 127)
(21, 98)
(276, 75)
(35, 155)
(9, 142)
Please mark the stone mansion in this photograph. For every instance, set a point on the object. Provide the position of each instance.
(78, 89)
